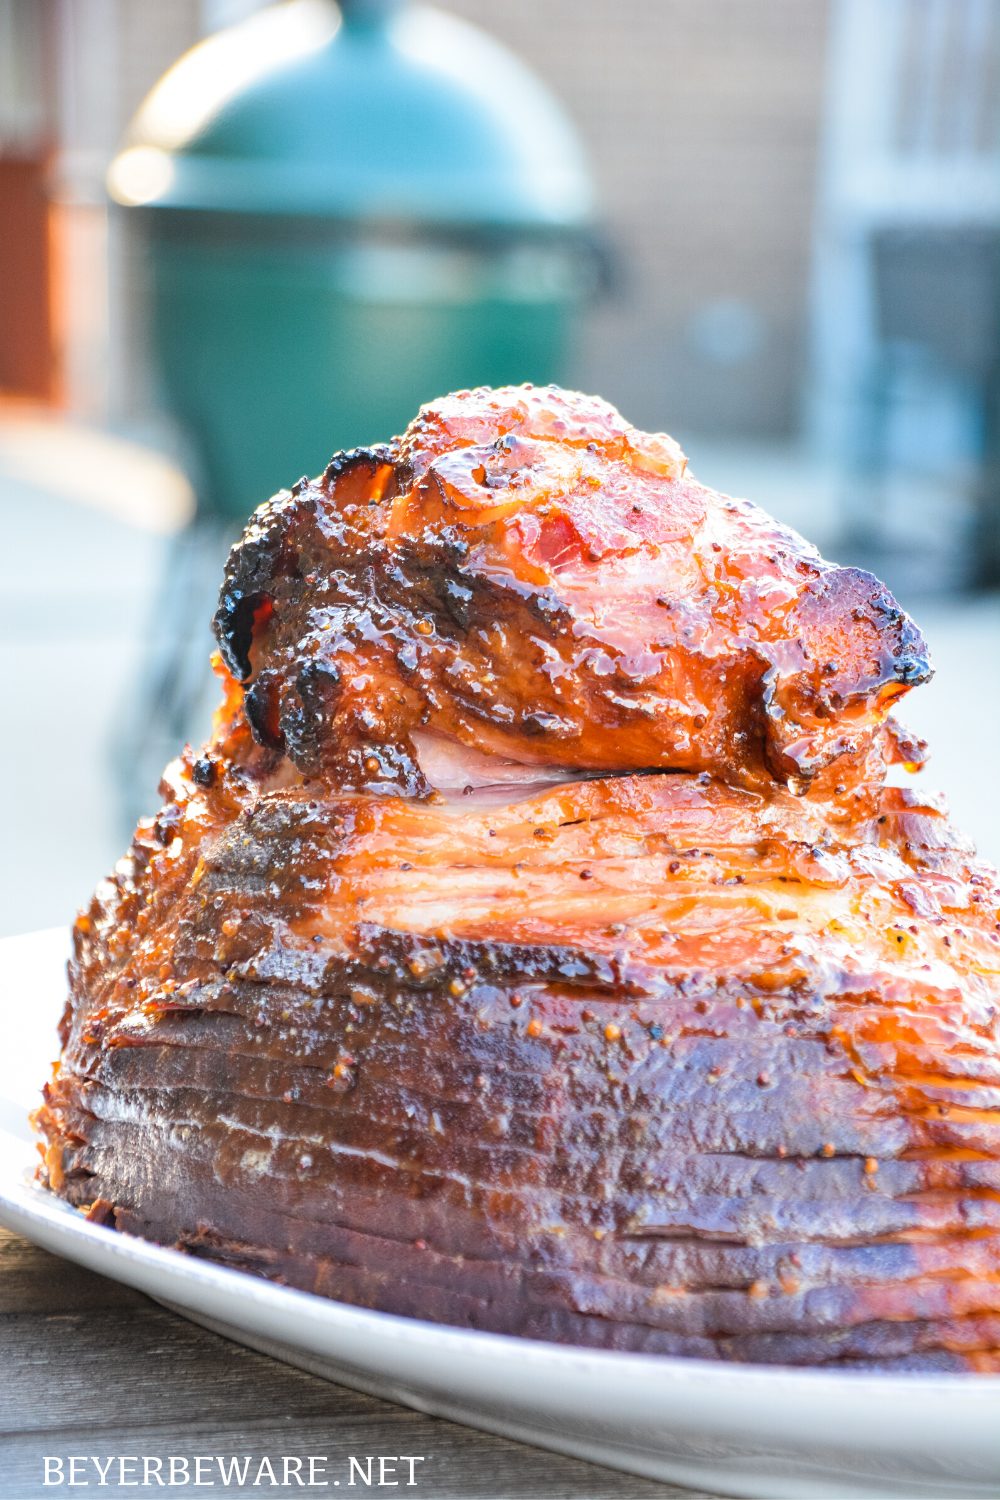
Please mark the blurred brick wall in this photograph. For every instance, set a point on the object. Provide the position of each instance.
(107, 55)
(701, 118)
(153, 33)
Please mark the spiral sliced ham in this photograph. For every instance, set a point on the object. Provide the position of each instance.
(536, 945)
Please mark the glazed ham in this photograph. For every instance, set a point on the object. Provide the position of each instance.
(530, 577)
(536, 945)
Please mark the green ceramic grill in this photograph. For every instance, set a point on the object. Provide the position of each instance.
(345, 212)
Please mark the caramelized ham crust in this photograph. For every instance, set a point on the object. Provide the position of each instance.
(700, 1062)
(528, 575)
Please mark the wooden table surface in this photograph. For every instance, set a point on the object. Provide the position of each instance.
(90, 1367)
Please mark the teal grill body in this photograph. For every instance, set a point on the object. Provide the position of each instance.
(344, 213)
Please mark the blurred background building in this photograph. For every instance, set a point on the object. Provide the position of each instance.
(702, 121)
(798, 229)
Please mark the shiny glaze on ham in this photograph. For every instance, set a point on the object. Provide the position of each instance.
(700, 1062)
(526, 574)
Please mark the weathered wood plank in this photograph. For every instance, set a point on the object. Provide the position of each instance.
(90, 1367)
(459, 1464)
(175, 1373)
(33, 1281)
